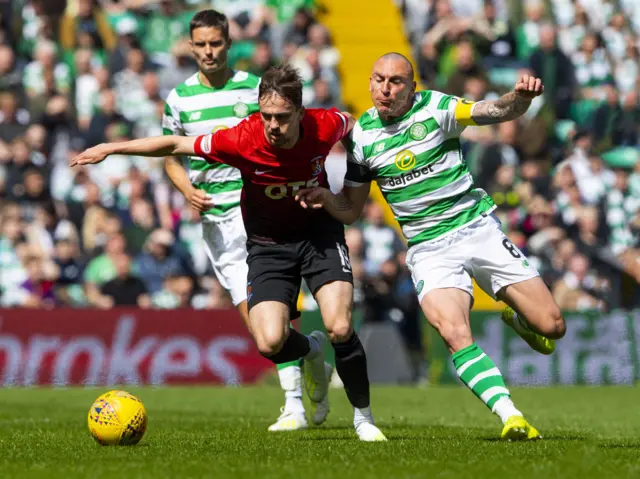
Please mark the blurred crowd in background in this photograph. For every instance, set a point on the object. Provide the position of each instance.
(77, 73)
(566, 176)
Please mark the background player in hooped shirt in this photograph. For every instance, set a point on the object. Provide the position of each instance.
(278, 152)
(215, 98)
(409, 143)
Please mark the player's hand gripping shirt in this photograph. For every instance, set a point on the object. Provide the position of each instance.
(418, 164)
(193, 109)
(272, 176)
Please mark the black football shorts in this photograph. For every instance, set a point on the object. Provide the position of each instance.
(276, 270)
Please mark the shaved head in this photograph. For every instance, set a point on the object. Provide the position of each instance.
(396, 57)
(392, 86)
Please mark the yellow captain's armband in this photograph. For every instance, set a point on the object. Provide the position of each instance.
(463, 112)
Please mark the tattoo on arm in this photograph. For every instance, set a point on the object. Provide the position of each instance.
(342, 203)
(507, 107)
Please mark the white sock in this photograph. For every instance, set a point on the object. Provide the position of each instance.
(505, 408)
(361, 415)
(293, 402)
(291, 383)
(291, 379)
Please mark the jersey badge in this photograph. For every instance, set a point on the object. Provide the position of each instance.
(316, 165)
(418, 131)
(240, 109)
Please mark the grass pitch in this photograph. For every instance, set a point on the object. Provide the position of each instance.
(221, 433)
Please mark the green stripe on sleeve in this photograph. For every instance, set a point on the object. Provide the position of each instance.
(444, 102)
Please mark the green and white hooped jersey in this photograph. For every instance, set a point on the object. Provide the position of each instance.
(417, 162)
(193, 109)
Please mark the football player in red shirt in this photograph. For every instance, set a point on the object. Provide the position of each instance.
(279, 151)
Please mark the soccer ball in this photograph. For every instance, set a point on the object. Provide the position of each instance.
(117, 418)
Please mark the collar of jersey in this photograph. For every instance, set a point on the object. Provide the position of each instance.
(214, 88)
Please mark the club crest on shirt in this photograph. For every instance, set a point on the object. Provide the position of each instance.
(240, 109)
(418, 131)
(317, 165)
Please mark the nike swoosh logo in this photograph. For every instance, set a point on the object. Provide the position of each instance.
(259, 172)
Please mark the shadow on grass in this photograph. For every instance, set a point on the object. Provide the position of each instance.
(438, 430)
(446, 434)
(548, 438)
(329, 438)
(120, 447)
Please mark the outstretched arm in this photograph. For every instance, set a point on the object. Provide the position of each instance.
(345, 206)
(157, 146)
(510, 106)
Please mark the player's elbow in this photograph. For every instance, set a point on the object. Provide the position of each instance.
(353, 214)
(182, 145)
(345, 217)
(351, 219)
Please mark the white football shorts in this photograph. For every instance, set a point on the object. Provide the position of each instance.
(225, 243)
(479, 250)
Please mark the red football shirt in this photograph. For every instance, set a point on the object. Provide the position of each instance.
(272, 176)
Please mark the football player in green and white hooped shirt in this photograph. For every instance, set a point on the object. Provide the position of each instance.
(409, 143)
(214, 98)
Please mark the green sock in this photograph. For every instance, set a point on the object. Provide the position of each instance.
(297, 362)
(479, 373)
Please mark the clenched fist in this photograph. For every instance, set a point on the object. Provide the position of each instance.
(529, 87)
(199, 200)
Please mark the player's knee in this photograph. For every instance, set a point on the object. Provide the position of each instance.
(555, 326)
(340, 331)
(270, 342)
